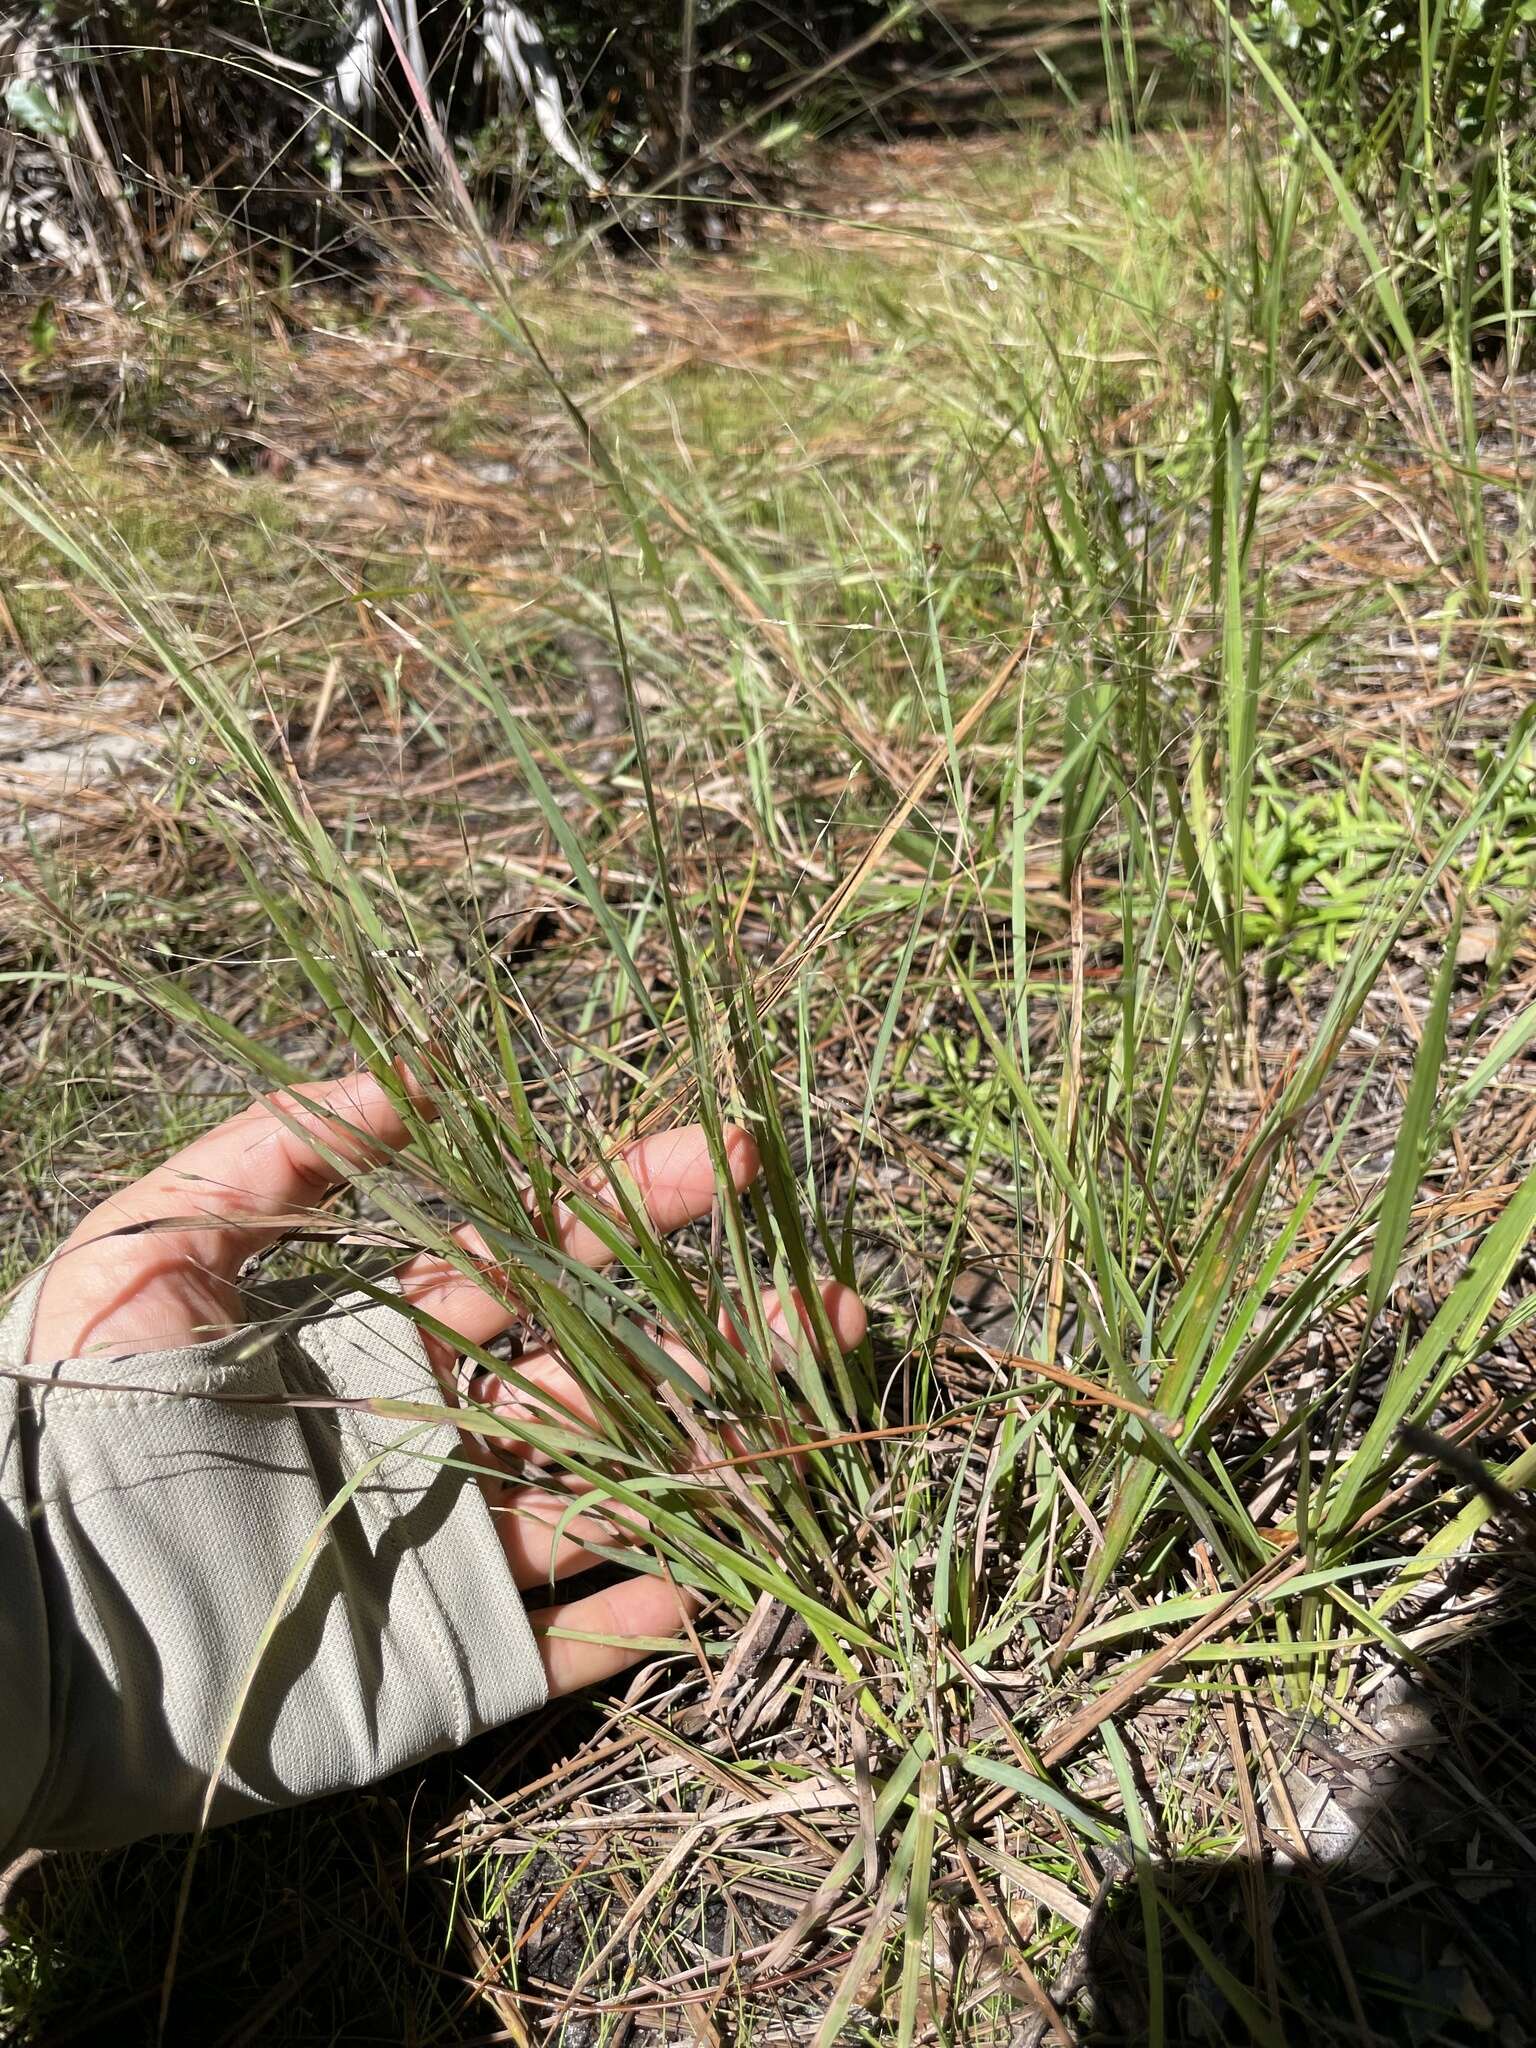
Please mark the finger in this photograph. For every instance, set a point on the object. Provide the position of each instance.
(676, 1179)
(241, 1185)
(844, 1312)
(539, 1542)
(557, 1396)
(251, 1176)
(643, 1607)
(476, 1308)
(546, 1391)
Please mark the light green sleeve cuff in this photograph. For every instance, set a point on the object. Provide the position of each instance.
(145, 1543)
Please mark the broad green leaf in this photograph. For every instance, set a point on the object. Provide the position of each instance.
(31, 107)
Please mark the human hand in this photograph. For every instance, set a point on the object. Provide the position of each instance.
(164, 1273)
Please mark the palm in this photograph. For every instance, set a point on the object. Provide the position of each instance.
(163, 1271)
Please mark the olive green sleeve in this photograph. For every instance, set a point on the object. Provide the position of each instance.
(168, 1573)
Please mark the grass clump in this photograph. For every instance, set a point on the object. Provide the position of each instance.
(1424, 112)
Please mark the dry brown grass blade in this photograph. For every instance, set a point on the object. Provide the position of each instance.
(1281, 1799)
(1253, 1834)
(489, 1985)
(1088, 1390)
(784, 972)
(1074, 1731)
(1009, 1944)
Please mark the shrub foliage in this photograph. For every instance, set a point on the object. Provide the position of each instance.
(1426, 108)
(120, 118)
